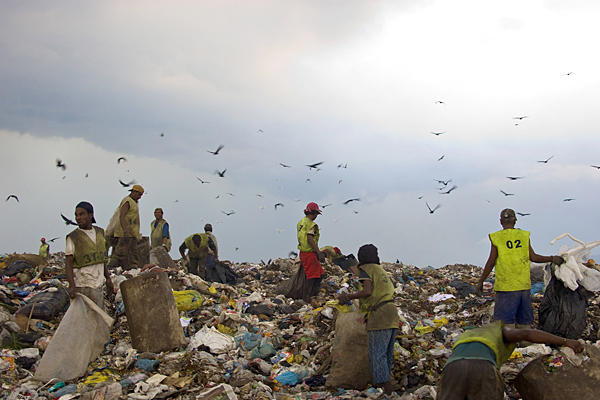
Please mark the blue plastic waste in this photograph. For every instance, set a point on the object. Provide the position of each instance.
(287, 378)
(146, 365)
(248, 340)
(537, 287)
(72, 388)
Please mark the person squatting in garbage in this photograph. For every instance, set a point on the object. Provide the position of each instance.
(310, 255)
(197, 245)
(86, 256)
(510, 254)
(127, 231)
(473, 369)
(376, 300)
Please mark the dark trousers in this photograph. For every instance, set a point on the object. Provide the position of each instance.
(470, 380)
(125, 254)
(197, 267)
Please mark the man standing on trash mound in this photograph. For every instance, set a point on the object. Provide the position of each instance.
(473, 370)
(510, 254)
(377, 301)
(310, 255)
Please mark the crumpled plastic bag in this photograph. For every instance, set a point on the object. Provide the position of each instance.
(187, 300)
(572, 272)
(217, 342)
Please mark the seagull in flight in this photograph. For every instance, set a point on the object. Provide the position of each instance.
(568, 199)
(228, 213)
(431, 211)
(449, 190)
(568, 73)
(221, 173)
(506, 194)
(278, 205)
(216, 151)
(441, 182)
(521, 117)
(325, 205)
(13, 196)
(437, 133)
(67, 220)
(292, 254)
(523, 214)
(439, 102)
(126, 184)
(546, 160)
(260, 131)
(202, 181)
(121, 159)
(514, 178)
(595, 166)
(60, 164)
(442, 157)
(343, 165)
(351, 200)
(285, 165)
(315, 165)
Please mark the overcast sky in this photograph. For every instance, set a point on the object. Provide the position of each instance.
(357, 83)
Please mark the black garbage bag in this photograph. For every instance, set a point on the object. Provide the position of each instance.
(463, 289)
(46, 305)
(16, 268)
(346, 262)
(222, 273)
(563, 311)
(295, 287)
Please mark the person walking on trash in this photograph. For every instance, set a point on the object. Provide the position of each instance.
(377, 302)
(44, 249)
(510, 254)
(127, 231)
(472, 370)
(86, 256)
(160, 238)
(310, 255)
(197, 245)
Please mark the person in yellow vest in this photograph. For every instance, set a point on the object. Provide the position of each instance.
(197, 245)
(332, 253)
(85, 256)
(310, 255)
(127, 231)
(160, 241)
(213, 256)
(44, 249)
(472, 370)
(510, 254)
(376, 297)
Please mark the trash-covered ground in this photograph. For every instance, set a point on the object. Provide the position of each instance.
(248, 341)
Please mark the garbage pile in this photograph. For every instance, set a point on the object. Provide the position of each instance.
(246, 340)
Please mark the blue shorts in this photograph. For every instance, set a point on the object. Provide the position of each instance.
(514, 307)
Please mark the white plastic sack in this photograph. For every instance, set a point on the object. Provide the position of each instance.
(572, 272)
(112, 224)
(217, 342)
(79, 339)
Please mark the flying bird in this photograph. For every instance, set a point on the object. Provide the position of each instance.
(449, 190)
(506, 194)
(60, 164)
(12, 196)
(230, 194)
(121, 159)
(278, 205)
(568, 199)
(221, 173)
(343, 165)
(442, 157)
(568, 74)
(439, 102)
(546, 160)
(355, 212)
(228, 213)
(437, 133)
(237, 248)
(431, 211)
(351, 200)
(523, 214)
(292, 254)
(520, 118)
(259, 195)
(162, 134)
(339, 181)
(315, 165)
(259, 131)
(126, 184)
(67, 220)
(216, 151)
(514, 178)
(326, 205)
(595, 166)
(285, 165)
(420, 197)
(441, 182)
(307, 180)
(202, 181)
(86, 174)
(53, 239)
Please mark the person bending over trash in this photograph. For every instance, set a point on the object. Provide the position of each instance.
(310, 255)
(472, 371)
(377, 301)
(510, 254)
(197, 245)
(86, 256)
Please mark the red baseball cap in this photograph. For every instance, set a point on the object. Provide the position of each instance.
(312, 207)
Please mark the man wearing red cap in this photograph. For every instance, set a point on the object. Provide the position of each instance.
(308, 244)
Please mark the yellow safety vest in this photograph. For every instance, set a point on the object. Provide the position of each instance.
(199, 251)
(512, 264)
(132, 219)
(305, 225)
(87, 252)
(44, 250)
(156, 237)
(491, 336)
